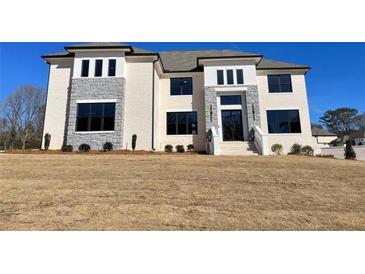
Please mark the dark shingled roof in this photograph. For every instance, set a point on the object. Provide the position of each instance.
(316, 131)
(182, 60)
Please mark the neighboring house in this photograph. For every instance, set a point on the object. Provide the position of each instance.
(109, 91)
(358, 137)
(322, 138)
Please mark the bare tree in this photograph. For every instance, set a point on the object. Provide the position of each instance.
(24, 111)
(3, 133)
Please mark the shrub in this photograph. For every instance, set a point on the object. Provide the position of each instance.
(168, 148)
(134, 141)
(67, 148)
(47, 140)
(277, 148)
(307, 150)
(190, 147)
(108, 146)
(296, 149)
(180, 148)
(84, 148)
(349, 151)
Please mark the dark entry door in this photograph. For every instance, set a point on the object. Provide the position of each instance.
(232, 125)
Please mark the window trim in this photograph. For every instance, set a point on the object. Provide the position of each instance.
(279, 75)
(89, 116)
(289, 124)
(181, 90)
(177, 125)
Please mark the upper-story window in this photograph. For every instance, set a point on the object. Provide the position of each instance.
(279, 83)
(220, 77)
(85, 68)
(181, 86)
(239, 74)
(229, 77)
(112, 67)
(98, 68)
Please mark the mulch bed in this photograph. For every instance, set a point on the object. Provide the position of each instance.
(96, 152)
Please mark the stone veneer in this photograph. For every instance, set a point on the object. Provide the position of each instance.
(98, 89)
(252, 99)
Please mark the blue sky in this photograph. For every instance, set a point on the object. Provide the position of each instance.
(335, 80)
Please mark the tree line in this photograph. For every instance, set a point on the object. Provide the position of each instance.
(21, 118)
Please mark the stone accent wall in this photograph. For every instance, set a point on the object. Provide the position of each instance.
(96, 88)
(252, 99)
(210, 97)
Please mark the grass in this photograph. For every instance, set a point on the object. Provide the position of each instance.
(180, 192)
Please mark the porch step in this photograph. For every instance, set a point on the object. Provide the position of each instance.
(238, 148)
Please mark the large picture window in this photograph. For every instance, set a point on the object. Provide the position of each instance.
(283, 121)
(179, 123)
(279, 83)
(95, 117)
(181, 86)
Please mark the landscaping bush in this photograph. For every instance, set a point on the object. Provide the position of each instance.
(168, 148)
(190, 147)
(349, 151)
(296, 149)
(47, 141)
(277, 148)
(108, 146)
(67, 148)
(180, 148)
(134, 141)
(307, 150)
(84, 148)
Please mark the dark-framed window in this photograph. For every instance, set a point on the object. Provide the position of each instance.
(180, 123)
(98, 68)
(85, 68)
(112, 67)
(239, 74)
(220, 77)
(230, 77)
(283, 121)
(95, 117)
(231, 100)
(279, 83)
(181, 86)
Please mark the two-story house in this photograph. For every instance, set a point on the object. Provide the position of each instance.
(107, 92)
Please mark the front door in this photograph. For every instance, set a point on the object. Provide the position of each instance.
(232, 125)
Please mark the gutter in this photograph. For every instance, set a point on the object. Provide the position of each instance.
(153, 102)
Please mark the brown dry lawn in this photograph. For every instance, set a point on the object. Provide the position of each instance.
(180, 192)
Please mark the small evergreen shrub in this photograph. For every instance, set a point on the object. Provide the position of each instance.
(108, 146)
(295, 149)
(67, 148)
(349, 151)
(190, 147)
(84, 148)
(134, 141)
(277, 148)
(180, 148)
(47, 141)
(307, 150)
(168, 148)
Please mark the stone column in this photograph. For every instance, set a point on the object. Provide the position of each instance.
(211, 112)
(253, 108)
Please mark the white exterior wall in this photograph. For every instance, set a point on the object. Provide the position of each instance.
(296, 100)
(168, 103)
(210, 72)
(138, 105)
(57, 94)
(99, 55)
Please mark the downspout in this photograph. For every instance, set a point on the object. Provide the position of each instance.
(153, 102)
